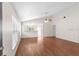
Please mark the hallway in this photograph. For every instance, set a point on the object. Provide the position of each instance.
(50, 46)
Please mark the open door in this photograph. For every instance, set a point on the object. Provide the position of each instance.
(0, 28)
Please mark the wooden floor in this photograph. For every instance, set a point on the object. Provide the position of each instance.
(47, 47)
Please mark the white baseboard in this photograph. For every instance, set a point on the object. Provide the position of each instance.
(68, 39)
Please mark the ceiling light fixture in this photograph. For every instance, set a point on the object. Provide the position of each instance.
(47, 19)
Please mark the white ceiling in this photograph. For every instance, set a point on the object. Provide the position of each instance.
(32, 10)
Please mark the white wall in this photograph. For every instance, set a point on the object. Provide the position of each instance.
(8, 12)
(48, 29)
(68, 28)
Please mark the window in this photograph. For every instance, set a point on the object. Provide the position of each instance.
(31, 27)
(14, 32)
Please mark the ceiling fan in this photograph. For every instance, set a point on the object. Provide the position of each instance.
(47, 18)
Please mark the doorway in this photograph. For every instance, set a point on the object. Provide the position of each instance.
(1, 29)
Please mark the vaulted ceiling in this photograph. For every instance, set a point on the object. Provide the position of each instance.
(32, 10)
